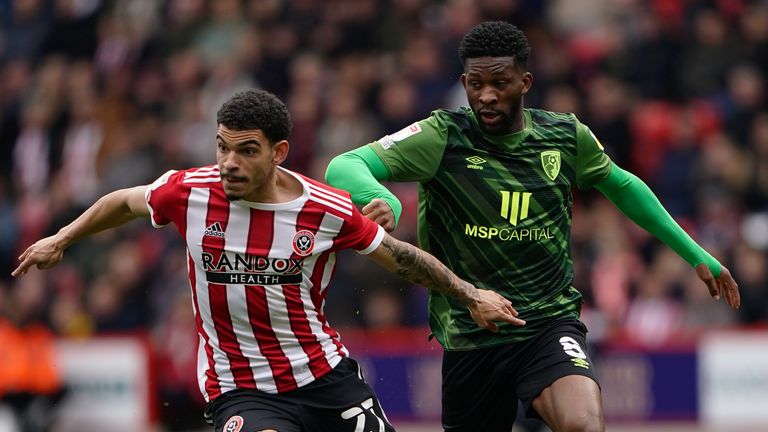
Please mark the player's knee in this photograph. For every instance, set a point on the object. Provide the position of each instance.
(588, 423)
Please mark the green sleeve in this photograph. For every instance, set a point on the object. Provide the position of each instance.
(636, 200)
(413, 153)
(592, 164)
(359, 172)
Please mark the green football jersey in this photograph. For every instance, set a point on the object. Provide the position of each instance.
(497, 211)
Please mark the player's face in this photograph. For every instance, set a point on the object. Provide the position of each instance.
(247, 161)
(495, 87)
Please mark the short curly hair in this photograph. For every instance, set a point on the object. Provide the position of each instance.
(495, 39)
(256, 109)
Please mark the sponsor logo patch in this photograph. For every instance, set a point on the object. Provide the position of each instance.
(214, 230)
(390, 140)
(475, 162)
(515, 206)
(228, 268)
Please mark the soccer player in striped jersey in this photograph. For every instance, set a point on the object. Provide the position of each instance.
(261, 243)
(495, 200)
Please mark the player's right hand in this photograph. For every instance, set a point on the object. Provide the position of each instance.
(491, 306)
(379, 211)
(45, 253)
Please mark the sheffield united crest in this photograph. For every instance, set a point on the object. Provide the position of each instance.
(303, 243)
(234, 424)
(550, 161)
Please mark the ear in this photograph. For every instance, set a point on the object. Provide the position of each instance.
(279, 152)
(527, 81)
(463, 79)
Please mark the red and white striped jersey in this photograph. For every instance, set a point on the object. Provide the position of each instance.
(259, 274)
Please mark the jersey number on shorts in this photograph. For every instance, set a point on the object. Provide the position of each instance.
(571, 347)
(360, 413)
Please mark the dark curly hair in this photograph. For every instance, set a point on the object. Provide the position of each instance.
(256, 109)
(495, 39)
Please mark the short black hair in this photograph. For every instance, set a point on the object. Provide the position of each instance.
(495, 39)
(256, 109)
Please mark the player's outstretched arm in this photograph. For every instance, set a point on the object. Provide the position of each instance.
(421, 268)
(359, 172)
(109, 211)
(636, 200)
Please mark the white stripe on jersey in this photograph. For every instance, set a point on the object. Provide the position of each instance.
(285, 228)
(314, 197)
(202, 180)
(330, 196)
(207, 170)
(196, 215)
(375, 243)
(331, 225)
(236, 238)
(202, 366)
(203, 175)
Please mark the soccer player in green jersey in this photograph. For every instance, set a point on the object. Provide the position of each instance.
(495, 202)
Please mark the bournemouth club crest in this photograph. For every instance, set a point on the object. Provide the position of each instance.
(550, 161)
(303, 243)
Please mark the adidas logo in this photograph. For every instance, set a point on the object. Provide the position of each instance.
(214, 230)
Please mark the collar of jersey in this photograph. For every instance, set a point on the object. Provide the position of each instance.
(294, 203)
(509, 140)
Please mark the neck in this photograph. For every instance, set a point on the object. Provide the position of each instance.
(518, 120)
(279, 187)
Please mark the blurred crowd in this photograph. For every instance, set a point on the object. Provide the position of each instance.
(97, 95)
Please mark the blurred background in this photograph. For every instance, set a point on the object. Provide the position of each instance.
(97, 95)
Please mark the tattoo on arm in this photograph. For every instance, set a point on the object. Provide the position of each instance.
(424, 269)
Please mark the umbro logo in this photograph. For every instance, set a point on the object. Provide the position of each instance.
(214, 230)
(475, 162)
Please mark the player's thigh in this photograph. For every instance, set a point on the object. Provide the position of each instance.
(252, 411)
(366, 415)
(344, 402)
(559, 383)
(477, 391)
(571, 403)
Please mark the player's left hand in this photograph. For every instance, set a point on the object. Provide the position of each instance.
(490, 306)
(723, 285)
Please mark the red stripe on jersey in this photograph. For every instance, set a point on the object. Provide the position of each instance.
(317, 299)
(218, 211)
(318, 364)
(260, 237)
(310, 218)
(258, 310)
(211, 379)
